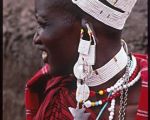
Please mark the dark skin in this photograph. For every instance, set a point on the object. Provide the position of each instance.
(59, 36)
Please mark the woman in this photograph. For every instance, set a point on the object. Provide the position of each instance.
(88, 72)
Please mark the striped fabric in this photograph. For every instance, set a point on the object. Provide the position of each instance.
(32, 101)
(142, 112)
(49, 98)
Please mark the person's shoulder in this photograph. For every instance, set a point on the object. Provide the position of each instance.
(142, 60)
(39, 74)
(143, 63)
(143, 57)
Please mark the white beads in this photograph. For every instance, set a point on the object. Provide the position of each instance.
(115, 86)
(108, 90)
(87, 104)
(110, 117)
(119, 84)
(111, 109)
(125, 86)
(111, 113)
(112, 88)
(120, 87)
(113, 101)
(100, 102)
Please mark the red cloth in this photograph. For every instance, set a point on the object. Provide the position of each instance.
(142, 112)
(49, 99)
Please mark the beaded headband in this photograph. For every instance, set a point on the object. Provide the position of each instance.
(105, 14)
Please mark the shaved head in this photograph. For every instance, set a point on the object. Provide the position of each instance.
(65, 7)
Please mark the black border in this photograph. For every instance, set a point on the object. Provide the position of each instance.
(1, 58)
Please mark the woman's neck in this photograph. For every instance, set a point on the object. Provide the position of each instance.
(105, 50)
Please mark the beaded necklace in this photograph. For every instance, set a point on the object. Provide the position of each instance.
(109, 70)
(114, 91)
(86, 78)
(118, 86)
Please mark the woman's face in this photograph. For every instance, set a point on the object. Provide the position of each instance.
(58, 35)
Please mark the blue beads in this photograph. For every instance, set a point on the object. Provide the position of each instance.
(96, 103)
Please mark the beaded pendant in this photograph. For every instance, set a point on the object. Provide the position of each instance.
(79, 114)
(82, 93)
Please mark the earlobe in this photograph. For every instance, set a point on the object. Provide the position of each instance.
(83, 23)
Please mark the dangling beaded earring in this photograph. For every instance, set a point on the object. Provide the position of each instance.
(90, 58)
(82, 69)
(86, 54)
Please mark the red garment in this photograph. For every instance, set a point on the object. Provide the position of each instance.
(49, 99)
(142, 112)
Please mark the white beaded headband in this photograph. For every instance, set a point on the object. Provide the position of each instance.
(106, 14)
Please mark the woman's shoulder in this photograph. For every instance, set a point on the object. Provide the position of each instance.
(142, 112)
(143, 64)
(36, 78)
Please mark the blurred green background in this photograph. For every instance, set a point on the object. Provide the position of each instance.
(21, 60)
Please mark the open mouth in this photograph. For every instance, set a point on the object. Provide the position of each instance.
(45, 56)
(44, 52)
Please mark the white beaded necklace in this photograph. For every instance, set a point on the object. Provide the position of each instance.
(119, 84)
(109, 70)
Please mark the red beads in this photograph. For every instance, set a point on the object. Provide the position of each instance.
(134, 73)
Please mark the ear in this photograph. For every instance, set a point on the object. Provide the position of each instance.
(83, 23)
(84, 27)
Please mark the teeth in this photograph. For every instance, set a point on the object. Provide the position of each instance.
(44, 54)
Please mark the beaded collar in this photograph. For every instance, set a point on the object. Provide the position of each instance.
(109, 70)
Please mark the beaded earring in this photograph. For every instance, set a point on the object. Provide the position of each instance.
(90, 58)
(82, 69)
(86, 49)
